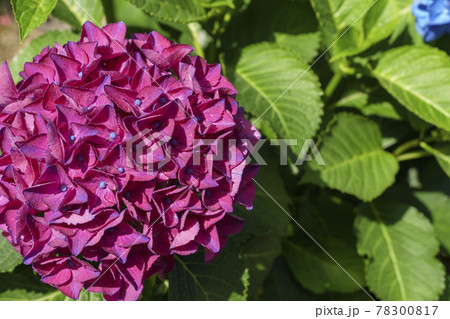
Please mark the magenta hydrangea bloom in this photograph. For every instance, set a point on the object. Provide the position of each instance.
(106, 171)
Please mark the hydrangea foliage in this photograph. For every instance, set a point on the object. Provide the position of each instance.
(432, 18)
(77, 198)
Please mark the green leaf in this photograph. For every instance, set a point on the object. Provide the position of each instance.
(400, 246)
(356, 98)
(51, 295)
(358, 24)
(9, 258)
(155, 289)
(218, 3)
(306, 45)
(84, 296)
(438, 205)
(23, 284)
(329, 222)
(264, 20)
(404, 15)
(19, 295)
(382, 109)
(446, 295)
(317, 272)
(35, 47)
(377, 24)
(371, 101)
(259, 254)
(77, 12)
(88, 296)
(416, 38)
(335, 16)
(30, 14)
(355, 161)
(182, 11)
(370, 104)
(441, 153)
(225, 278)
(282, 286)
(25, 295)
(418, 78)
(285, 93)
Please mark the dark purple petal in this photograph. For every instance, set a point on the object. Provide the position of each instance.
(187, 234)
(8, 91)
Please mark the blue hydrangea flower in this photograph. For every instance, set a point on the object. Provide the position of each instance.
(432, 18)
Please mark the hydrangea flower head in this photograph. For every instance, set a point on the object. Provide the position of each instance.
(432, 18)
(102, 175)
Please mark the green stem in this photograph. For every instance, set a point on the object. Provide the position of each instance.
(332, 85)
(198, 48)
(412, 144)
(412, 156)
(406, 146)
